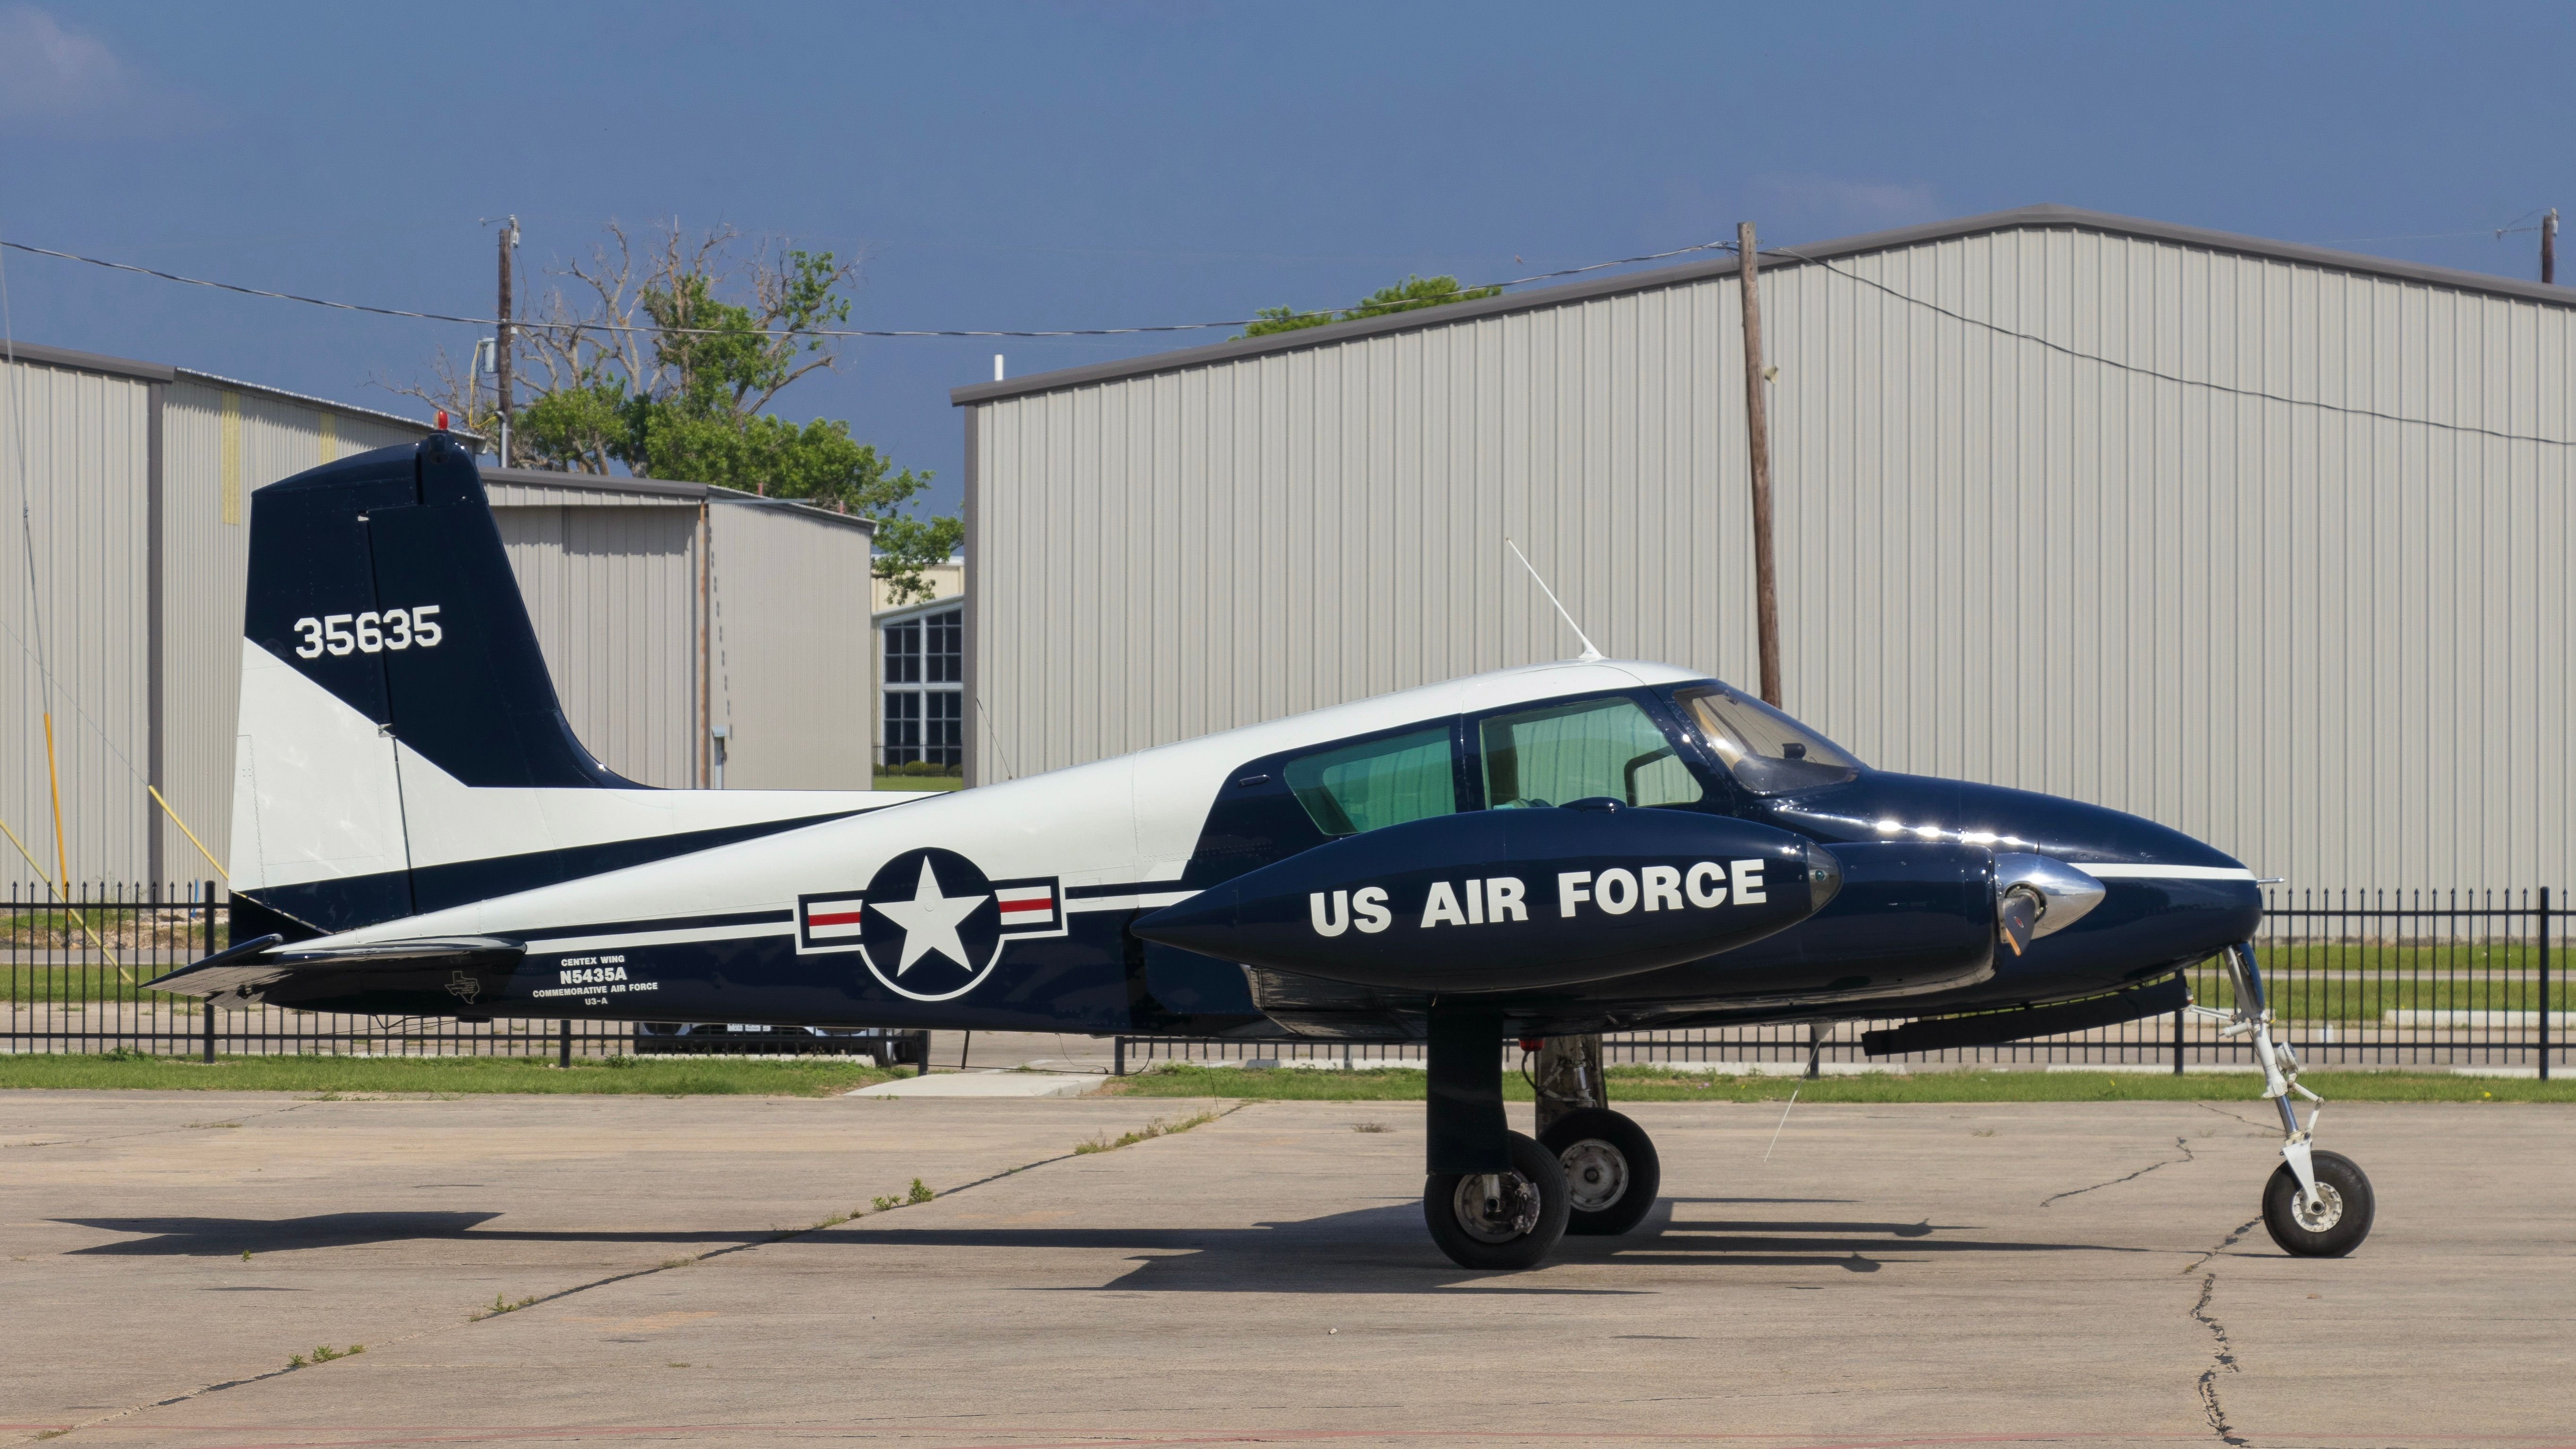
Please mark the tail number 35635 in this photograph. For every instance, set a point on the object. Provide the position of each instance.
(370, 632)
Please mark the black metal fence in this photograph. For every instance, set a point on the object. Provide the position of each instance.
(2456, 979)
(72, 974)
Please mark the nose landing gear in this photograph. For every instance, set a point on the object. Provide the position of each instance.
(2317, 1204)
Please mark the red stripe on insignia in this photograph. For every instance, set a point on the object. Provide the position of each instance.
(836, 918)
(1041, 904)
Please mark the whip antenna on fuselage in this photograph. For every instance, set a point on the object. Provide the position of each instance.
(1589, 652)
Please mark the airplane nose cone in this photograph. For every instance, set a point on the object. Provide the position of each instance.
(2168, 900)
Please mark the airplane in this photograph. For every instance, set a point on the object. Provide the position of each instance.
(1585, 846)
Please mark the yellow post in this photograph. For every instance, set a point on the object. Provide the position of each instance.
(62, 856)
(192, 835)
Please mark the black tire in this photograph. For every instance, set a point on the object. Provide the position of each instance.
(1611, 1171)
(1532, 1220)
(2349, 1208)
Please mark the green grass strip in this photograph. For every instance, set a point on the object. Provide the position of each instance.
(367, 1076)
(1652, 1084)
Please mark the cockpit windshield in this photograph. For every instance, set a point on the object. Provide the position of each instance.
(1767, 751)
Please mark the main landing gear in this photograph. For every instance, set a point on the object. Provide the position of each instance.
(2317, 1204)
(1496, 1200)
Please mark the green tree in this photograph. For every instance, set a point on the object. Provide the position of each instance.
(1408, 295)
(669, 366)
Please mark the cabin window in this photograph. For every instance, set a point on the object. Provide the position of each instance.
(1376, 784)
(1583, 750)
(1765, 750)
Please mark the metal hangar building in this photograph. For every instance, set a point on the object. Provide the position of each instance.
(668, 611)
(2263, 541)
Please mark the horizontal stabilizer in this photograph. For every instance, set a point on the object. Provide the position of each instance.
(1994, 1028)
(252, 966)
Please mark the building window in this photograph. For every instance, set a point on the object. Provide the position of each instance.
(925, 701)
(903, 652)
(943, 653)
(902, 726)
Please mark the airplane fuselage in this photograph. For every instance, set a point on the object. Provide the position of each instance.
(1010, 906)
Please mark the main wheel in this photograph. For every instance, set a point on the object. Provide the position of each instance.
(1611, 1171)
(2328, 1234)
(1514, 1230)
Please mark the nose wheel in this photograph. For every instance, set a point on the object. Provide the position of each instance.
(2331, 1226)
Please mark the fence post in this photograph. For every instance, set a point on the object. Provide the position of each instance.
(2544, 983)
(2178, 1041)
(1118, 1056)
(563, 1043)
(206, 895)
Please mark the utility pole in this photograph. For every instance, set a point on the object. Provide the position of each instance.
(2549, 248)
(1757, 440)
(501, 339)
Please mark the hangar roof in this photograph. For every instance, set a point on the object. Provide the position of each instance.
(2059, 218)
(71, 360)
(510, 488)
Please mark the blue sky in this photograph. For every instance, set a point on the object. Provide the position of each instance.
(1106, 164)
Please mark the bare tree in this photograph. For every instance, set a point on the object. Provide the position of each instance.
(663, 354)
(647, 317)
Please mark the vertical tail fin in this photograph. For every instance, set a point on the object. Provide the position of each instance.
(401, 747)
(382, 621)
(382, 579)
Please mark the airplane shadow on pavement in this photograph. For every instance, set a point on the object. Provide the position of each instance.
(1377, 1249)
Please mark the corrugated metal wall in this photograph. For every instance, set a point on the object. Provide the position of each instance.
(87, 479)
(794, 668)
(612, 589)
(2336, 645)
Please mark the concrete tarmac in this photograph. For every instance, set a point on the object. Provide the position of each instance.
(2011, 1273)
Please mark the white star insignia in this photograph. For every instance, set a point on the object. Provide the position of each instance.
(929, 921)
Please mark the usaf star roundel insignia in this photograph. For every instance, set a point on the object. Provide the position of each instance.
(930, 925)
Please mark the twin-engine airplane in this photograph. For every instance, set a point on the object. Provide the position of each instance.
(1552, 850)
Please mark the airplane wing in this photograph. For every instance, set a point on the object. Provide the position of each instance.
(250, 967)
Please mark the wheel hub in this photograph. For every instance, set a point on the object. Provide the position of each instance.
(1500, 1220)
(1596, 1175)
(2316, 1220)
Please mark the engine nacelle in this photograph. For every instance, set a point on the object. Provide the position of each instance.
(1498, 900)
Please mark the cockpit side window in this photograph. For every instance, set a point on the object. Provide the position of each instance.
(1376, 783)
(1581, 750)
(1765, 750)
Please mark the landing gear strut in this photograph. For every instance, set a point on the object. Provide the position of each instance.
(1611, 1171)
(2317, 1204)
(1494, 1199)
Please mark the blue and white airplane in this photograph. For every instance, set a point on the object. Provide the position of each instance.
(1598, 845)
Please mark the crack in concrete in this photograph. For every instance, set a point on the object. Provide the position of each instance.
(781, 1236)
(2260, 1128)
(2222, 1357)
(148, 1132)
(2187, 1156)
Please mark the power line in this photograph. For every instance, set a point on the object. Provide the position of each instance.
(1789, 253)
(2063, 350)
(408, 314)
